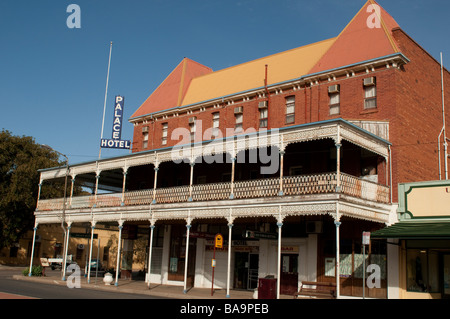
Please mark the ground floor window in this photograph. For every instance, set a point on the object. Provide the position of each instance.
(422, 270)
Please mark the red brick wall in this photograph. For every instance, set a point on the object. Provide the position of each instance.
(409, 98)
(418, 117)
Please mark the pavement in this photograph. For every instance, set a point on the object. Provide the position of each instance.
(139, 287)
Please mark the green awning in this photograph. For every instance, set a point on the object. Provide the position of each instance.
(415, 230)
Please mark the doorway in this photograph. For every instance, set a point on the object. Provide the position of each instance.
(445, 276)
(177, 258)
(246, 267)
(289, 274)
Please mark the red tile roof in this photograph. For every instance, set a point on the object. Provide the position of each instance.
(171, 91)
(366, 37)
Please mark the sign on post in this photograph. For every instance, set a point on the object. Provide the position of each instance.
(365, 242)
(218, 241)
(366, 238)
(115, 141)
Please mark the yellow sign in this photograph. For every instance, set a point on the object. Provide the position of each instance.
(218, 241)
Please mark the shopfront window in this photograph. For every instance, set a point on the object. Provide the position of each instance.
(351, 258)
(422, 268)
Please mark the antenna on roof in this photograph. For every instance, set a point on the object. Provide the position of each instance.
(106, 94)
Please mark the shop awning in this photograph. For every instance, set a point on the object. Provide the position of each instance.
(415, 230)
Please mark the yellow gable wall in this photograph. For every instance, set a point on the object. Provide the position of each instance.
(429, 201)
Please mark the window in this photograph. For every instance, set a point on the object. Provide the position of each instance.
(422, 270)
(192, 127)
(290, 109)
(215, 125)
(144, 140)
(165, 128)
(263, 114)
(238, 124)
(370, 93)
(335, 107)
(335, 99)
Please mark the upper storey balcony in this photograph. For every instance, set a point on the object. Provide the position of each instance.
(330, 167)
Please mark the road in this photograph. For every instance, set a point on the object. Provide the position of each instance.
(19, 289)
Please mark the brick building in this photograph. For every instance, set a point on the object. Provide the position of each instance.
(291, 157)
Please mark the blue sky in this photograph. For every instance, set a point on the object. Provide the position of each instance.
(53, 78)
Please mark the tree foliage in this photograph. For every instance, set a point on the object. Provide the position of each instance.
(20, 160)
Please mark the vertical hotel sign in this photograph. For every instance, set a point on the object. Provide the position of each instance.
(115, 141)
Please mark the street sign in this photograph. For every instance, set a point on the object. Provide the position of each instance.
(218, 241)
(366, 238)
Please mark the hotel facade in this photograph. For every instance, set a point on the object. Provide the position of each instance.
(289, 157)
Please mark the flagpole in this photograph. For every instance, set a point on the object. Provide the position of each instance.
(106, 94)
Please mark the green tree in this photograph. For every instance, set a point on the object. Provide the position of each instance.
(20, 160)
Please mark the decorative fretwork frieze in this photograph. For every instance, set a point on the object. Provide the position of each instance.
(278, 210)
(280, 138)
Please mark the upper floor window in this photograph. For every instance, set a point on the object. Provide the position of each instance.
(290, 109)
(370, 93)
(239, 119)
(334, 95)
(192, 127)
(263, 113)
(215, 124)
(165, 128)
(145, 140)
(144, 136)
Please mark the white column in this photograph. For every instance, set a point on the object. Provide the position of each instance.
(154, 183)
(71, 191)
(279, 224)
(66, 249)
(90, 251)
(338, 271)
(191, 181)
(233, 167)
(230, 227)
(32, 247)
(338, 167)
(150, 248)
(125, 171)
(186, 260)
(119, 246)
(281, 193)
(97, 177)
(39, 194)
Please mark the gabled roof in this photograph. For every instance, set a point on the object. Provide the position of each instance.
(368, 36)
(171, 91)
(282, 66)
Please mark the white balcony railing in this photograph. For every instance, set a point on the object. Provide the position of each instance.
(268, 187)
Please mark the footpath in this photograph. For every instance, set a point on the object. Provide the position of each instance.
(137, 287)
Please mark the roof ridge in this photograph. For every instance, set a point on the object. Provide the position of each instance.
(266, 57)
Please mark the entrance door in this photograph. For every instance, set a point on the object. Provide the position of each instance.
(246, 270)
(177, 258)
(289, 274)
(253, 271)
(446, 277)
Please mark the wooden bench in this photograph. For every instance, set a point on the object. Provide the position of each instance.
(319, 290)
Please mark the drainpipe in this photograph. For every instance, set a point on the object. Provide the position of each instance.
(268, 96)
(443, 120)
